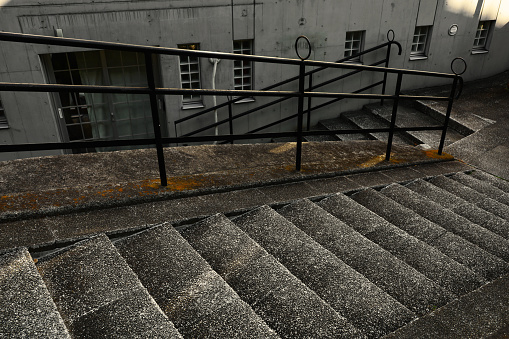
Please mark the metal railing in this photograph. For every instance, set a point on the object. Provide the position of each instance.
(152, 91)
(390, 42)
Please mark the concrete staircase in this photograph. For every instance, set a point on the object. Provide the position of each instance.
(360, 264)
(410, 114)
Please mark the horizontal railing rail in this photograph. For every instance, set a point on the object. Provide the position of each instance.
(152, 91)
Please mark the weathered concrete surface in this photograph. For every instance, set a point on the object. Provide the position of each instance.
(114, 178)
(480, 314)
(482, 102)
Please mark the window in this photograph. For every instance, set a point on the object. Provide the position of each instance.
(242, 69)
(353, 45)
(190, 76)
(103, 116)
(481, 37)
(420, 42)
(3, 118)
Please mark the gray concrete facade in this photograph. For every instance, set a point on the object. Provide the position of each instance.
(272, 27)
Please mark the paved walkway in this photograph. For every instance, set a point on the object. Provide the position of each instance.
(488, 100)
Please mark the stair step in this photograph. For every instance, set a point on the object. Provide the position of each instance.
(462, 207)
(193, 296)
(480, 314)
(283, 301)
(360, 301)
(98, 295)
(367, 120)
(319, 269)
(320, 127)
(497, 182)
(343, 124)
(482, 187)
(411, 213)
(472, 196)
(27, 310)
(392, 275)
(425, 258)
(408, 116)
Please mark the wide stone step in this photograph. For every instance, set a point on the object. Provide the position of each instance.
(410, 211)
(26, 307)
(462, 207)
(98, 295)
(391, 274)
(472, 196)
(497, 182)
(193, 296)
(483, 187)
(362, 303)
(366, 120)
(343, 124)
(425, 258)
(283, 301)
(408, 116)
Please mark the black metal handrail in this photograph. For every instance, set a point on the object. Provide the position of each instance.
(153, 91)
(310, 87)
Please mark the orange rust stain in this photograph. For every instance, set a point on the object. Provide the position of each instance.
(434, 154)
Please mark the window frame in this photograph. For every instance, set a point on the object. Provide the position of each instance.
(240, 65)
(483, 48)
(351, 38)
(192, 100)
(4, 123)
(421, 54)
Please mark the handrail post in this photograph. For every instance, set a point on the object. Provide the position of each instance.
(155, 118)
(387, 58)
(310, 85)
(393, 118)
(448, 114)
(230, 116)
(298, 160)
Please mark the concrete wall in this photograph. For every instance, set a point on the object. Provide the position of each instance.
(274, 26)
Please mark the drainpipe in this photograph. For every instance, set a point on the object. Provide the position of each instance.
(214, 61)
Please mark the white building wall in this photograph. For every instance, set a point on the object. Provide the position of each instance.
(273, 24)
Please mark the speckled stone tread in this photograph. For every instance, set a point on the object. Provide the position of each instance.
(483, 187)
(472, 196)
(193, 296)
(98, 295)
(26, 307)
(493, 180)
(363, 303)
(283, 301)
(346, 240)
(403, 214)
(427, 259)
(447, 218)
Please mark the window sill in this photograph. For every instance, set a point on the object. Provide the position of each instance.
(418, 57)
(479, 51)
(355, 62)
(245, 100)
(192, 105)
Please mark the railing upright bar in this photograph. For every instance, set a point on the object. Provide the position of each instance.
(448, 115)
(230, 116)
(387, 58)
(298, 160)
(155, 118)
(393, 118)
(308, 122)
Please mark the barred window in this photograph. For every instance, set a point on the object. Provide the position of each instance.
(190, 75)
(420, 41)
(243, 69)
(354, 44)
(481, 36)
